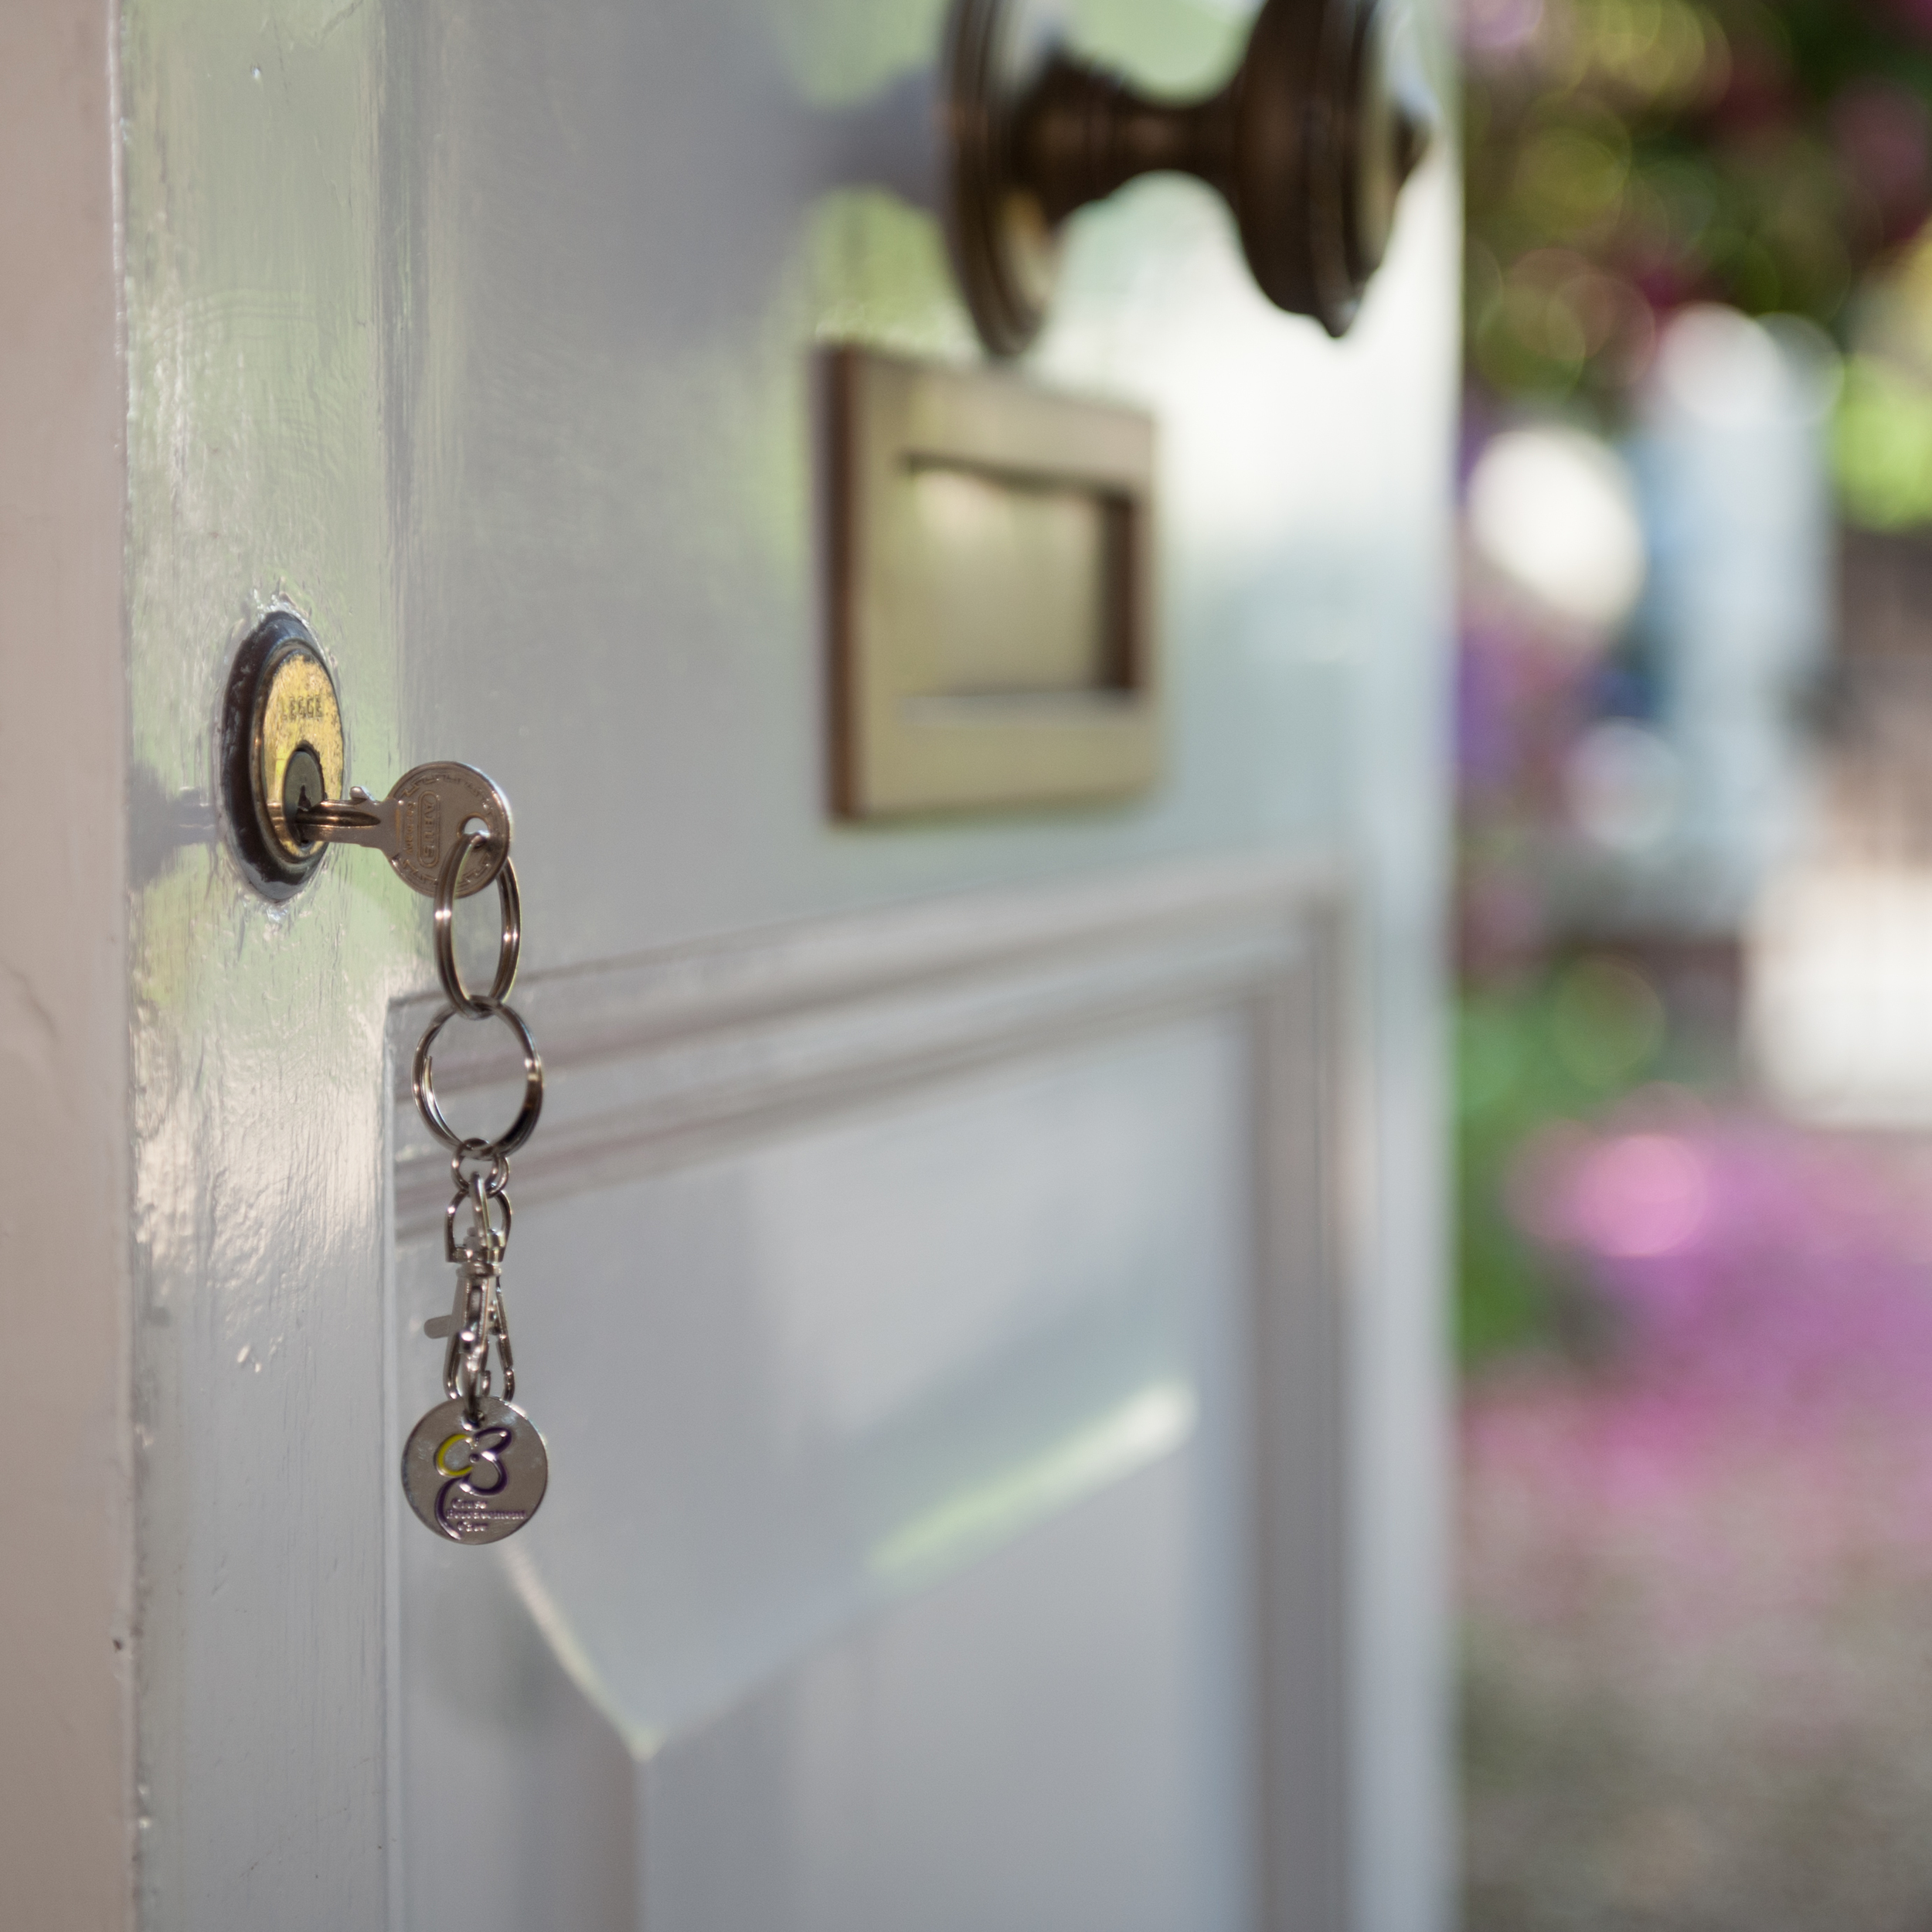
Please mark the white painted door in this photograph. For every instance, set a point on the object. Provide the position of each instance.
(976, 1276)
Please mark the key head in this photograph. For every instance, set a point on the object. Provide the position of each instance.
(434, 805)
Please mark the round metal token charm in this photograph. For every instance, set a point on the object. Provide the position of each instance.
(475, 1485)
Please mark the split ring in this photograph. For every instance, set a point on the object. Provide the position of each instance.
(421, 1085)
(444, 921)
(493, 1182)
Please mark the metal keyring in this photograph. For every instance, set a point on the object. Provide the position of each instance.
(498, 1177)
(521, 1128)
(444, 922)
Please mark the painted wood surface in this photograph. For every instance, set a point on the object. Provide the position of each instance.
(485, 336)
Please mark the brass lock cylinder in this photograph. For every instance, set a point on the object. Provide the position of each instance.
(282, 735)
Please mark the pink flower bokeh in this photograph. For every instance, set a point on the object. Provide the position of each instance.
(1697, 1561)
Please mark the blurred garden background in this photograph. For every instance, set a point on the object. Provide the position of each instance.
(1694, 939)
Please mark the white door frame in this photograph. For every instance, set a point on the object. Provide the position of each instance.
(66, 1518)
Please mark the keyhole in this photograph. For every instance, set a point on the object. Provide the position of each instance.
(302, 788)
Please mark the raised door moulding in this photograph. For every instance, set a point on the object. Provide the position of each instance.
(681, 1055)
(992, 620)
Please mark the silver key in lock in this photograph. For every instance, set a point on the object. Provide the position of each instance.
(285, 758)
(427, 810)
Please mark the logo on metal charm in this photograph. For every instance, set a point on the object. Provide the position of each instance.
(475, 1485)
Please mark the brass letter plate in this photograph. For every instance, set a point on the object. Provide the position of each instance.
(992, 592)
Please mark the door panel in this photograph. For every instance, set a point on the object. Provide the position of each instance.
(859, 1358)
(913, 1475)
(516, 1805)
(1067, 1701)
(490, 339)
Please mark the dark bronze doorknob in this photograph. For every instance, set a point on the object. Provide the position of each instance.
(1309, 143)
